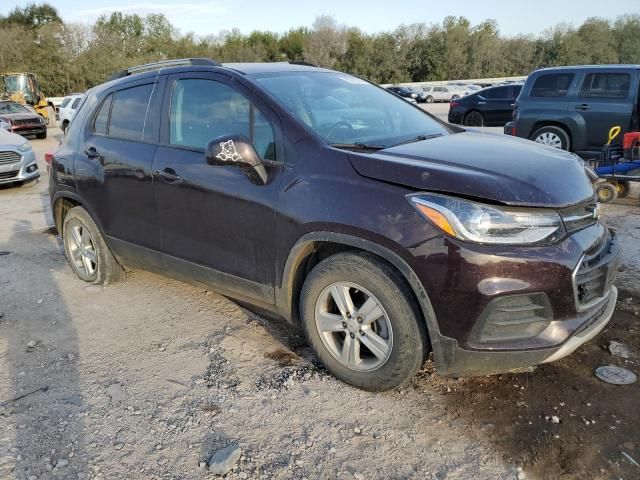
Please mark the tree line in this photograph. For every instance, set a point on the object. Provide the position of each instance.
(71, 57)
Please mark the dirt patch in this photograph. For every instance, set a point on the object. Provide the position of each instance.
(283, 358)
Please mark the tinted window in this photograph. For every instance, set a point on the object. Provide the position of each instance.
(76, 102)
(552, 85)
(129, 112)
(102, 118)
(497, 93)
(65, 102)
(515, 91)
(606, 85)
(202, 110)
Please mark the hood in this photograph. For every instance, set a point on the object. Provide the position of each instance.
(21, 116)
(498, 168)
(9, 139)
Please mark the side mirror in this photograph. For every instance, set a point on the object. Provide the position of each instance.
(237, 150)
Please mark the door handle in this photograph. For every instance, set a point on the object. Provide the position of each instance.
(168, 175)
(583, 106)
(91, 152)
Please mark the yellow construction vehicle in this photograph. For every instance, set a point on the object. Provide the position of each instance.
(24, 88)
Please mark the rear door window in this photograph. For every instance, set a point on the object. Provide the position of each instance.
(65, 102)
(129, 112)
(500, 93)
(606, 85)
(76, 102)
(552, 85)
(101, 122)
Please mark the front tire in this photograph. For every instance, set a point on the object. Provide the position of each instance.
(362, 321)
(86, 251)
(473, 119)
(606, 192)
(552, 136)
(429, 99)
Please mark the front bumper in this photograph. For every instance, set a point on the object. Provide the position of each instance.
(505, 309)
(23, 170)
(30, 130)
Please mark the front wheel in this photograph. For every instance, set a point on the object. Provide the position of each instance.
(362, 321)
(473, 119)
(429, 99)
(86, 251)
(606, 192)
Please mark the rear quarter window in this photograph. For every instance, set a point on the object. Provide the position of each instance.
(129, 112)
(606, 85)
(65, 102)
(552, 85)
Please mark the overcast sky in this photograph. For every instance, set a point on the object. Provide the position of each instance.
(210, 16)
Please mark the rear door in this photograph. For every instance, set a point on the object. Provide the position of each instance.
(606, 99)
(213, 216)
(113, 164)
(497, 107)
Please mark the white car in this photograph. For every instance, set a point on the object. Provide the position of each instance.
(444, 93)
(17, 160)
(68, 108)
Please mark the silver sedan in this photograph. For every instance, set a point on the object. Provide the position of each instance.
(17, 159)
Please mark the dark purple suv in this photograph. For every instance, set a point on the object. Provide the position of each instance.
(385, 233)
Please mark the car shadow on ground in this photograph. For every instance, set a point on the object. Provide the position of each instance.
(42, 406)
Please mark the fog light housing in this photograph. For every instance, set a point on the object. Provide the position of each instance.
(513, 317)
(32, 168)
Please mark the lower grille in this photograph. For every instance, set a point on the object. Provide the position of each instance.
(596, 272)
(8, 175)
(26, 121)
(9, 157)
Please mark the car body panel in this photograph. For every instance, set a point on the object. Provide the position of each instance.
(16, 165)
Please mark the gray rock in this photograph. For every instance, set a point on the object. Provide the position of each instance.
(222, 461)
(116, 392)
(618, 349)
(62, 462)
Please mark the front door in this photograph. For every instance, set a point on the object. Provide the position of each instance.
(215, 222)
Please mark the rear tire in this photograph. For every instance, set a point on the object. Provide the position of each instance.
(42, 136)
(624, 189)
(552, 136)
(86, 251)
(429, 99)
(374, 290)
(606, 192)
(64, 126)
(473, 119)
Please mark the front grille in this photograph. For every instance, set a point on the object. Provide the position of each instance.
(9, 157)
(26, 121)
(579, 216)
(594, 276)
(7, 175)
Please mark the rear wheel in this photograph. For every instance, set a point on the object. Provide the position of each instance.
(86, 251)
(42, 135)
(64, 126)
(624, 187)
(362, 321)
(429, 99)
(473, 119)
(552, 136)
(606, 192)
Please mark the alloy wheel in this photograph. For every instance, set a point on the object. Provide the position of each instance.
(82, 249)
(550, 139)
(353, 326)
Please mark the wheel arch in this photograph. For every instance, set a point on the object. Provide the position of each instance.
(313, 247)
(64, 201)
(553, 123)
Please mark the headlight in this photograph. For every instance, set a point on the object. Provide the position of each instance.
(480, 223)
(25, 147)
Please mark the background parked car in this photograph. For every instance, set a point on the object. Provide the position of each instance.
(574, 108)
(442, 93)
(68, 109)
(22, 121)
(491, 106)
(404, 92)
(17, 160)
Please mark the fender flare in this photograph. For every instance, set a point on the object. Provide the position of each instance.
(71, 195)
(303, 248)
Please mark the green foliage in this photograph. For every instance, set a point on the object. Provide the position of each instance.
(73, 57)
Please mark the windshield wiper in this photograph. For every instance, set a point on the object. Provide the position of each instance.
(418, 138)
(357, 146)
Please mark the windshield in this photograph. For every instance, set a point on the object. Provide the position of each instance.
(343, 109)
(11, 107)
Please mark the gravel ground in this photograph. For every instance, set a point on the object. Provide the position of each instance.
(150, 377)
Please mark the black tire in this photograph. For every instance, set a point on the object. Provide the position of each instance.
(624, 189)
(107, 269)
(429, 99)
(64, 126)
(606, 192)
(409, 346)
(455, 97)
(42, 136)
(552, 130)
(473, 119)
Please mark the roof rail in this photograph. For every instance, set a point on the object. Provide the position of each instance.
(148, 67)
